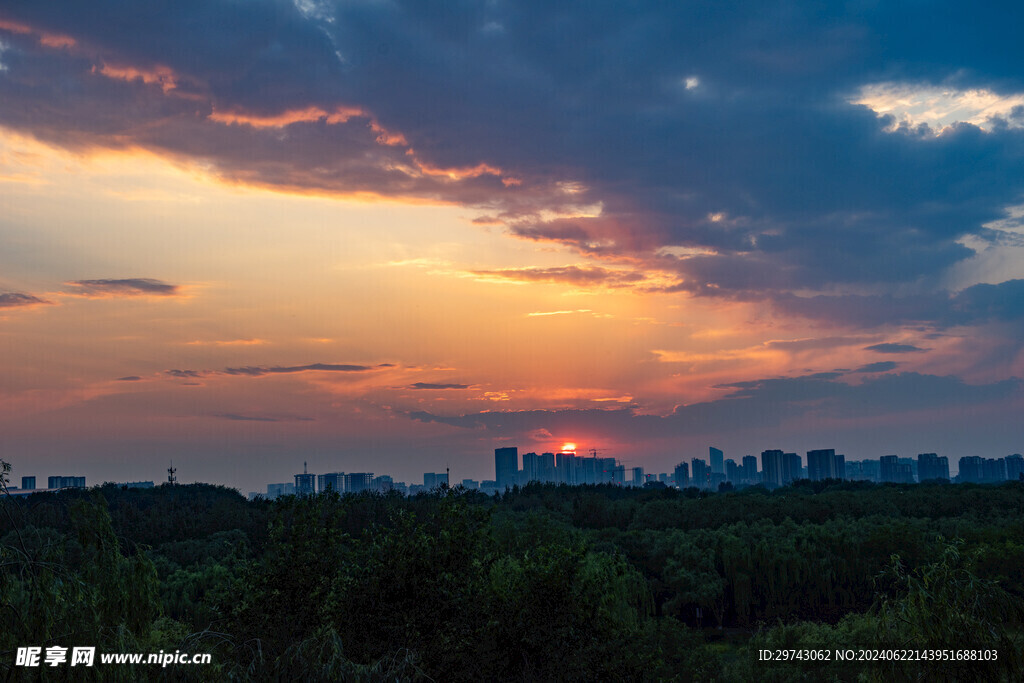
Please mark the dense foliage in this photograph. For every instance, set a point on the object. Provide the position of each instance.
(542, 583)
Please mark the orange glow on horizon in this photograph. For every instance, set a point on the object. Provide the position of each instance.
(569, 447)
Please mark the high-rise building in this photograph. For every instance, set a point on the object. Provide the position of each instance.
(700, 473)
(278, 490)
(546, 467)
(970, 469)
(821, 464)
(888, 465)
(931, 466)
(358, 481)
(840, 461)
(383, 483)
(1014, 467)
(29, 483)
(506, 466)
(912, 464)
(896, 470)
(750, 469)
(733, 472)
(531, 468)
(333, 481)
(565, 468)
(993, 470)
(871, 469)
(792, 467)
(471, 484)
(772, 468)
(65, 482)
(715, 455)
(305, 483)
(682, 475)
(431, 480)
(638, 476)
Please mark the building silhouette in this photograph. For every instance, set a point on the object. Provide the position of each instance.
(715, 456)
(62, 482)
(305, 483)
(772, 468)
(700, 473)
(825, 464)
(358, 481)
(1015, 467)
(750, 474)
(682, 475)
(334, 481)
(931, 466)
(506, 467)
(969, 469)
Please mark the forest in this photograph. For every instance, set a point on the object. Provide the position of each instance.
(542, 583)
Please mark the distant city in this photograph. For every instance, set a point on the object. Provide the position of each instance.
(777, 468)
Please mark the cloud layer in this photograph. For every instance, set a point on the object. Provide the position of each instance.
(123, 287)
(722, 146)
(20, 300)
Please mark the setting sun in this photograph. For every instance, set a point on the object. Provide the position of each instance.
(568, 447)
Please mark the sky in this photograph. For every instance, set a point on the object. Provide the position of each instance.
(391, 236)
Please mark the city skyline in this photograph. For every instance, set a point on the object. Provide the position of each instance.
(376, 237)
(777, 468)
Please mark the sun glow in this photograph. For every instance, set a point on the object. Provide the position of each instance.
(568, 447)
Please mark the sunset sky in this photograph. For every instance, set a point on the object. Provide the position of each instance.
(391, 236)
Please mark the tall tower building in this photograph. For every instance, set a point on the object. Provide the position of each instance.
(715, 455)
(506, 467)
(305, 483)
(887, 467)
(772, 467)
(638, 476)
(531, 468)
(701, 473)
(682, 475)
(821, 464)
(931, 466)
(750, 469)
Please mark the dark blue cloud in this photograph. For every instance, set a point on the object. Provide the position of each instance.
(124, 287)
(880, 366)
(20, 300)
(428, 385)
(758, 404)
(184, 374)
(975, 305)
(259, 371)
(892, 347)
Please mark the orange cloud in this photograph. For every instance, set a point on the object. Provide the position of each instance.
(54, 40)
(157, 75)
(455, 173)
(228, 342)
(340, 114)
